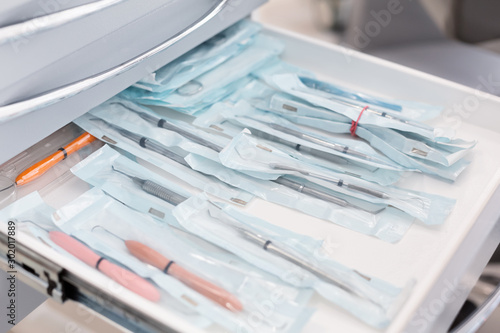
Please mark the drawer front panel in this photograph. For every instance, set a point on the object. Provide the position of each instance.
(113, 55)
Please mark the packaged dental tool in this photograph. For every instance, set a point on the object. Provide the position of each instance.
(216, 84)
(139, 243)
(362, 113)
(371, 300)
(139, 119)
(443, 153)
(278, 66)
(131, 183)
(163, 157)
(255, 158)
(389, 141)
(145, 98)
(31, 214)
(407, 109)
(429, 208)
(276, 126)
(286, 105)
(341, 155)
(201, 59)
(378, 220)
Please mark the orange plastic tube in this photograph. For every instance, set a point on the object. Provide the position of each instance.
(207, 289)
(39, 168)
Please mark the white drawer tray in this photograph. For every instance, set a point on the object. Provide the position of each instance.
(444, 261)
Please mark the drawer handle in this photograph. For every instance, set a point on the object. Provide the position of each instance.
(478, 317)
(18, 109)
(42, 23)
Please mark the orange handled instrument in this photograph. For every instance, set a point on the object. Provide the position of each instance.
(39, 168)
(207, 289)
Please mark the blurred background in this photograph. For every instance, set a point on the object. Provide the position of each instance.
(458, 40)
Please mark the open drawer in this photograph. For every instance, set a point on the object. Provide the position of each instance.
(72, 59)
(445, 261)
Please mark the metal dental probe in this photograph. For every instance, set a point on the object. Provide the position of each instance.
(163, 123)
(304, 149)
(318, 194)
(155, 189)
(338, 181)
(337, 147)
(159, 148)
(146, 143)
(271, 247)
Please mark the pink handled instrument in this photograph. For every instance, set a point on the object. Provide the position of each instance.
(124, 277)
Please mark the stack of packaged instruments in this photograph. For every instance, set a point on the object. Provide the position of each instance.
(230, 121)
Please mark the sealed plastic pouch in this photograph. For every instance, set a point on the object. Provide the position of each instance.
(32, 214)
(443, 153)
(281, 128)
(293, 84)
(407, 109)
(203, 58)
(385, 223)
(387, 146)
(110, 228)
(215, 84)
(222, 117)
(138, 119)
(131, 183)
(162, 157)
(290, 259)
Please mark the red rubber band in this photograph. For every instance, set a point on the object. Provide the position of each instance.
(354, 125)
